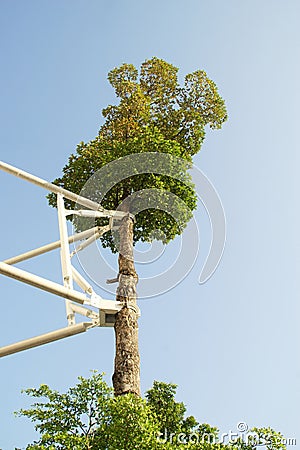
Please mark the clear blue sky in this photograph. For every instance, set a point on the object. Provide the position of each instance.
(232, 345)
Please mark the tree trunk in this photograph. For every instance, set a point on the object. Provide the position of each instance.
(126, 377)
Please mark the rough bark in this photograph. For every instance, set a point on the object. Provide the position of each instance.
(126, 377)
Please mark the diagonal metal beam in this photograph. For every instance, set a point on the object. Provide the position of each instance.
(52, 246)
(42, 283)
(58, 190)
(45, 338)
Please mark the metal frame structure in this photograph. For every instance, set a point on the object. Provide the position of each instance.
(76, 302)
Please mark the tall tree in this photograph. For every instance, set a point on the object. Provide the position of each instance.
(154, 115)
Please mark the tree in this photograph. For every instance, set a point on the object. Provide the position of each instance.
(155, 115)
(89, 417)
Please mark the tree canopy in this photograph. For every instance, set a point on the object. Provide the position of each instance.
(157, 115)
(89, 417)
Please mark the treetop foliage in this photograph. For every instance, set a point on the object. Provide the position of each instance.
(154, 98)
(154, 115)
(89, 417)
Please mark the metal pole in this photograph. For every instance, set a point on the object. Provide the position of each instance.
(91, 239)
(44, 338)
(85, 311)
(78, 278)
(88, 213)
(66, 266)
(57, 189)
(42, 283)
(52, 246)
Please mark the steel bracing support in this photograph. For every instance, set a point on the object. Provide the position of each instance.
(59, 190)
(66, 266)
(42, 283)
(106, 309)
(45, 338)
(52, 246)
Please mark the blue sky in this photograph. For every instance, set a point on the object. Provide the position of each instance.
(231, 345)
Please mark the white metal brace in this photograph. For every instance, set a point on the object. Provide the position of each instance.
(75, 300)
